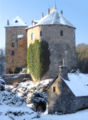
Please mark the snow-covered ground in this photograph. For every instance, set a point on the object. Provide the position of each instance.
(27, 88)
(13, 107)
(16, 113)
(82, 115)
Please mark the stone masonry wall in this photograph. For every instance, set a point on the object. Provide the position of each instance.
(19, 48)
(61, 47)
(80, 103)
(61, 99)
(15, 78)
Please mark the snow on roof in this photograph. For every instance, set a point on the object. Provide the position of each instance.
(54, 18)
(20, 36)
(17, 22)
(78, 83)
(64, 21)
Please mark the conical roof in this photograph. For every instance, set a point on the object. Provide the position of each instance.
(17, 22)
(54, 18)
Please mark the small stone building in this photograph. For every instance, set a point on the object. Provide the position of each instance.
(16, 45)
(67, 93)
(59, 33)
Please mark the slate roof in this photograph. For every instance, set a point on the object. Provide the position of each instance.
(54, 18)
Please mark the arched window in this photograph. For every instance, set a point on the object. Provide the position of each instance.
(32, 36)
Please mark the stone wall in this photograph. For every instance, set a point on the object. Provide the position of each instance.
(18, 45)
(61, 47)
(80, 103)
(15, 78)
(61, 99)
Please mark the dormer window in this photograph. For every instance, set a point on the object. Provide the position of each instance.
(16, 21)
(61, 33)
(32, 36)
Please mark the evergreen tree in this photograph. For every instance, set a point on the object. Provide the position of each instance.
(38, 59)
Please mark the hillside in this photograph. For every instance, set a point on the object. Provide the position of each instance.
(13, 107)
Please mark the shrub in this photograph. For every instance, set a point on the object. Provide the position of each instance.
(38, 59)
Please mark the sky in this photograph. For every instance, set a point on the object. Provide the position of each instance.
(76, 11)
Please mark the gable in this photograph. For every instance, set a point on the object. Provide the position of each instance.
(59, 87)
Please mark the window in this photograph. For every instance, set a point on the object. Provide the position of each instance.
(40, 33)
(12, 53)
(16, 21)
(13, 44)
(16, 43)
(61, 33)
(54, 89)
(32, 36)
(13, 37)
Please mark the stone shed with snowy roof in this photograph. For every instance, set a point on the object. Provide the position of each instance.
(60, 35)
(67, 93)
(16, 45)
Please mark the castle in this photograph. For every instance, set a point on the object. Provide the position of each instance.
(52, 28)
(63, 96)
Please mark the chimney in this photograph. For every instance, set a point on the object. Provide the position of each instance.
(61, 12)
(8, 22)
(42, 14)
(48, 11)
(63, 72)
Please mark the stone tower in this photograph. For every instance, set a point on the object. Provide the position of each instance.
(16, 45)
(60, 35)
